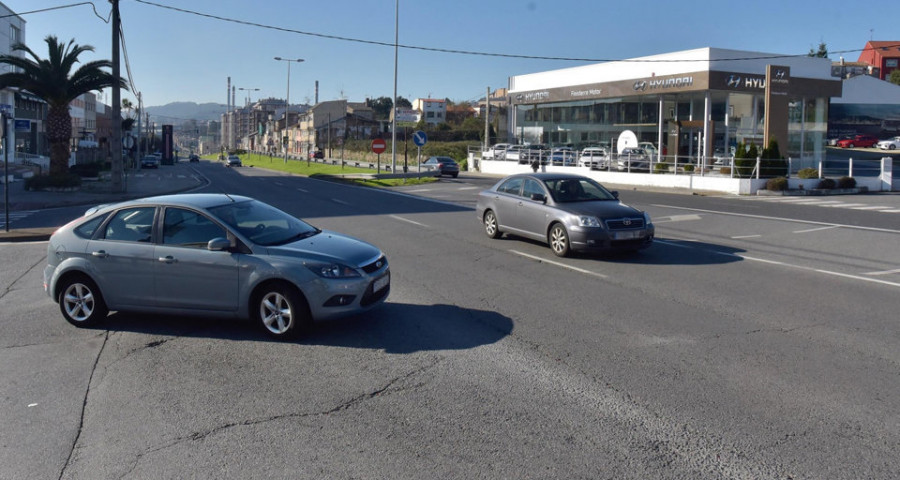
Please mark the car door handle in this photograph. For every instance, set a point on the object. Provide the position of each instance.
(100, 254)
(168, 259)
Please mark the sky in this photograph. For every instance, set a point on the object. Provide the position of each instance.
(187, 55)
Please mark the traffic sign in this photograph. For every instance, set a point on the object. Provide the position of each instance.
(378, 146)
(419, 138)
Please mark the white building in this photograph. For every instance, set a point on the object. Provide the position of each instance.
(433, 111)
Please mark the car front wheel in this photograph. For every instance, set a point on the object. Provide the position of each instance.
(559, 240)
(891, 147)
(80, 302)
(491, 227)
(282, 311)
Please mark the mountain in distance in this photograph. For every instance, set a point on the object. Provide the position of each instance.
(176, 113)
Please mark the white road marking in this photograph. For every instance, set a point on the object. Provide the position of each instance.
(419, 190)
(816, 229)
(746, 236)
(397, 217)
(845, 205)
(798, 267)
(781, 219)
(558, 264)
(302, 190)
(339, 201)
(878, 207)
(885, 272)
(889, 211)
(467, 188)
(677, 218)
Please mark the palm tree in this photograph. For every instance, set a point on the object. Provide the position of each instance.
(52, 80)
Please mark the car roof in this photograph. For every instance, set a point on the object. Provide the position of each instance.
(196, 200)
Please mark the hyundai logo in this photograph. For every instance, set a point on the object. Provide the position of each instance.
(779, 74)
(734, 81)
(640, 85)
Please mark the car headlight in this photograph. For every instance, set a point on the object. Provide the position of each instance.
(332, 270)
(588, 221)
(646, 218)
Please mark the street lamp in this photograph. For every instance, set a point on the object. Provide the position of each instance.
(287, 105)
(248, 92)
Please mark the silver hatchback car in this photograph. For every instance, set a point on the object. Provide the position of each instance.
(569, 212)
(211, 255)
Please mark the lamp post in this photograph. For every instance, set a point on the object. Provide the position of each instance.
(248, 92)
(250, 117)
(287, 105)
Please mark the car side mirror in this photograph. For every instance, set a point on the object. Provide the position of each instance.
(538, 197)
(218, 244)
(615, 194)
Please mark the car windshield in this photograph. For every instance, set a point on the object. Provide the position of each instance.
(263, 224)
(567, 190)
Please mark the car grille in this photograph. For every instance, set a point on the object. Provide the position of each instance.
(625, 223)
(376, 265)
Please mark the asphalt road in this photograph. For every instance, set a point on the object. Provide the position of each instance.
(755, 339)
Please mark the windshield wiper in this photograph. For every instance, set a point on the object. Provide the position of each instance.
(299, 236)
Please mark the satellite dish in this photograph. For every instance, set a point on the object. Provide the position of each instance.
(626, 139)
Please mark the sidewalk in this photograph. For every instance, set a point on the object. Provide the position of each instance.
(138, 183)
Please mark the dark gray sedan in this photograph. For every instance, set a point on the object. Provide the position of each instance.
(569, 212)
(212, 255)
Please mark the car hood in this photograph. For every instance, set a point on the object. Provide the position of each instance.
(330, 246)
(601, 209)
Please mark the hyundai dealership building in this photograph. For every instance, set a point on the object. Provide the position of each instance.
(693, 103)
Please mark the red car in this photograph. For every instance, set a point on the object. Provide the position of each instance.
(858, 141)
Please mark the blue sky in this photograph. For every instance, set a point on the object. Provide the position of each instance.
(178, 56)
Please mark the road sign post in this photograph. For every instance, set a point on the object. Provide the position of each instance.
(420, 139)
(378, 147)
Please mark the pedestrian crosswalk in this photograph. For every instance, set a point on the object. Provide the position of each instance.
(13, 216)
(826, 202)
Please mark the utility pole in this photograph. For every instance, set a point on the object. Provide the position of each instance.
(487, 119)
(118, 174)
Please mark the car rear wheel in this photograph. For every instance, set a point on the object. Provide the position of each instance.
(81, 302)
(851, 145)
(282, 311)
(559, 240)
(891, 147)
(491, 227)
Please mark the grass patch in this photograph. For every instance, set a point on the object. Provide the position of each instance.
(326, 171)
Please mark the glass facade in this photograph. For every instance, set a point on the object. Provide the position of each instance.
(734, 117)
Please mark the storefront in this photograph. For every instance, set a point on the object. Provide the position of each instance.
(694, 104)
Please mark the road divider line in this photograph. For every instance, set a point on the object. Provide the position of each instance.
(745, 236)
(397, 217)
(816, 229)
(884, 272)
(780, 219)
(558, 264)
(678, 218)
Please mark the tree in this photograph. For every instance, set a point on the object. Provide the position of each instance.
(381, 106)
(53, 81)
(403, 103)
(822, 52)
(895, 77)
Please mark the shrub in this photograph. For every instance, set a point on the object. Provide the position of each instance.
(826, 184)
(661, 168)
(689, 168)
(42, 182)
(808, 173)
(86, 169)
(846, 182)
(777, 184)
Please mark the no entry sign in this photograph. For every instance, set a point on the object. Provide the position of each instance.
(378, 146)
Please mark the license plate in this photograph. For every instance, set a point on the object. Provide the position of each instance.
(626, 235)
(381, 283)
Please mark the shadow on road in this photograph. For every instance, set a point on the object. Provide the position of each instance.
(393, 328)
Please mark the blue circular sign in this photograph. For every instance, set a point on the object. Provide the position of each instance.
(419, 138)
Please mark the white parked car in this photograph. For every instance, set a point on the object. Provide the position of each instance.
(633, 160)
(497, 152)
(889, 144)
(594, 157)
(513, 152)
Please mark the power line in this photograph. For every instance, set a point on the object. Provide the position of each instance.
(470, 52)
(60, 8)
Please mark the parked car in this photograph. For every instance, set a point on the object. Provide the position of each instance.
(632, 159)
(889, 144)
(149, 161)
(535, 151)
(497, 152)
(513, 152)
(233, 161)
(594, 157)
(194, 158)
(214, 255)
(442, 165)
(568, 212)
(317, 154)
(649, 148)
(564, 156)
(862, 141)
